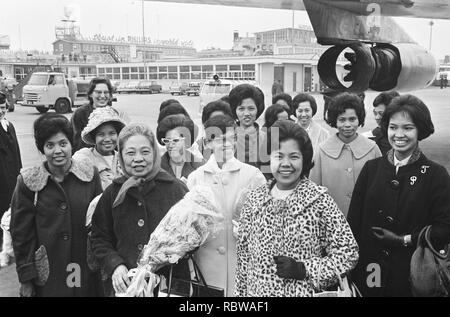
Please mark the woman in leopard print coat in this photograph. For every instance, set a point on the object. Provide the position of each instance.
(293, 239)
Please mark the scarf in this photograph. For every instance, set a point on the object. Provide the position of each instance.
(133, 181)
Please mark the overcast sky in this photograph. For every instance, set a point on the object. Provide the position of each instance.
(30, 23)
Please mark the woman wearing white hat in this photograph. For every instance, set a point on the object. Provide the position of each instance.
(102, 130)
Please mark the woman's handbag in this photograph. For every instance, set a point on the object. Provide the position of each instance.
(41, 265)
(430, 269)
(196, 287)
(344, 288)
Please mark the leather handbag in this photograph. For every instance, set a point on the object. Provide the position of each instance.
(430, 269)
(196, 287)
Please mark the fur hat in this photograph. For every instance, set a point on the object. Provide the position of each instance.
(98, 117)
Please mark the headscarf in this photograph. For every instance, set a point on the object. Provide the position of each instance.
(133, 181)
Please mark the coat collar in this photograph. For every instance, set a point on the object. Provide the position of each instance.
(360, 146)
(305, 193)
(35, 178)
(417, 153)
(230, 166)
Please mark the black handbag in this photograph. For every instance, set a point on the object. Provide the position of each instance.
(196, 287)
(430, 269)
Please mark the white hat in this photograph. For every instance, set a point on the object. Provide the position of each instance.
(98, 117)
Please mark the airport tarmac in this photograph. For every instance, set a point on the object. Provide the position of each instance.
(145, 108)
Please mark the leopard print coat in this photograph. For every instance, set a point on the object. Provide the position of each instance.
(307, 226)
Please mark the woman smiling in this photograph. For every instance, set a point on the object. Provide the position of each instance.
(395, 197)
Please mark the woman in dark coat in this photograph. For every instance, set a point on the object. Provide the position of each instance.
(10, 161)
(132, 206)
(48, 211)
(395, 197)
(177, 134)
(247, 105)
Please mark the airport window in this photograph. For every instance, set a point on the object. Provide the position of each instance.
(196, 68)
(235, 67)
(248, 67)
(134, 69)
(162, 76)
(184, 69)
(173, 69)
(116, 70)
(141, 69)
(162, 69)
(101, 71)
(153, 69)
(109, 70)
(153, 76)
(184, 76)
(116, 76)
(126, 76)
(125, 70)
(207, 68)
(173, 76)
(196, 76)
(134, 76)
(109, 76)
(221, 68)
(141, 76)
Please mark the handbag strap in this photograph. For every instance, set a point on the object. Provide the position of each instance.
(425, 235)
(198, 275)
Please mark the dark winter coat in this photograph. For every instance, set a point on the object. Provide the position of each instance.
(188, 167)
(404, 203)
(10, 165)
(119, 234)
(45, 212)
(79, 121)
(381, 140)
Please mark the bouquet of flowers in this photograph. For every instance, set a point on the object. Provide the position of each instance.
(186, 226)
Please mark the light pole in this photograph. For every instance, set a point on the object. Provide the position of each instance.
(143, 40)
(431, 33)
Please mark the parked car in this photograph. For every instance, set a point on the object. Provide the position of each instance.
(149, 87)
(178, 88)
(122, 87)
(193, 89)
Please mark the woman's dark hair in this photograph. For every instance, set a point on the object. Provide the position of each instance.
(242, 92)
(168, 102)
(343, 102)
(94, 82)
(172, 109)
(217, 105)
(218, 124)
(385, 98)
(226, 98)
(48, 125)
(415, 108)
(283, 96)
(286, 130)
(271, 114)
(302, 97)
(176, 121)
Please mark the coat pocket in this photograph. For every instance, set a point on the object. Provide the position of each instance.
(42, 265)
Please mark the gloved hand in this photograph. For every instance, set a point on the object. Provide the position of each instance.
(289, 268)
(387, 237)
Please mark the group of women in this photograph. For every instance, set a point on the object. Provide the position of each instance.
(331, 204)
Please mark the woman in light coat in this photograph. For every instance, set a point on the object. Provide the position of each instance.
(229, 179)
(339, 160)
(102, 130)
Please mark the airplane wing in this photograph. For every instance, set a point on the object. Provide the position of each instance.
(431, 9)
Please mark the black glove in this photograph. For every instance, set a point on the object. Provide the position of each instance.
(289, 268)
(387, 237)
